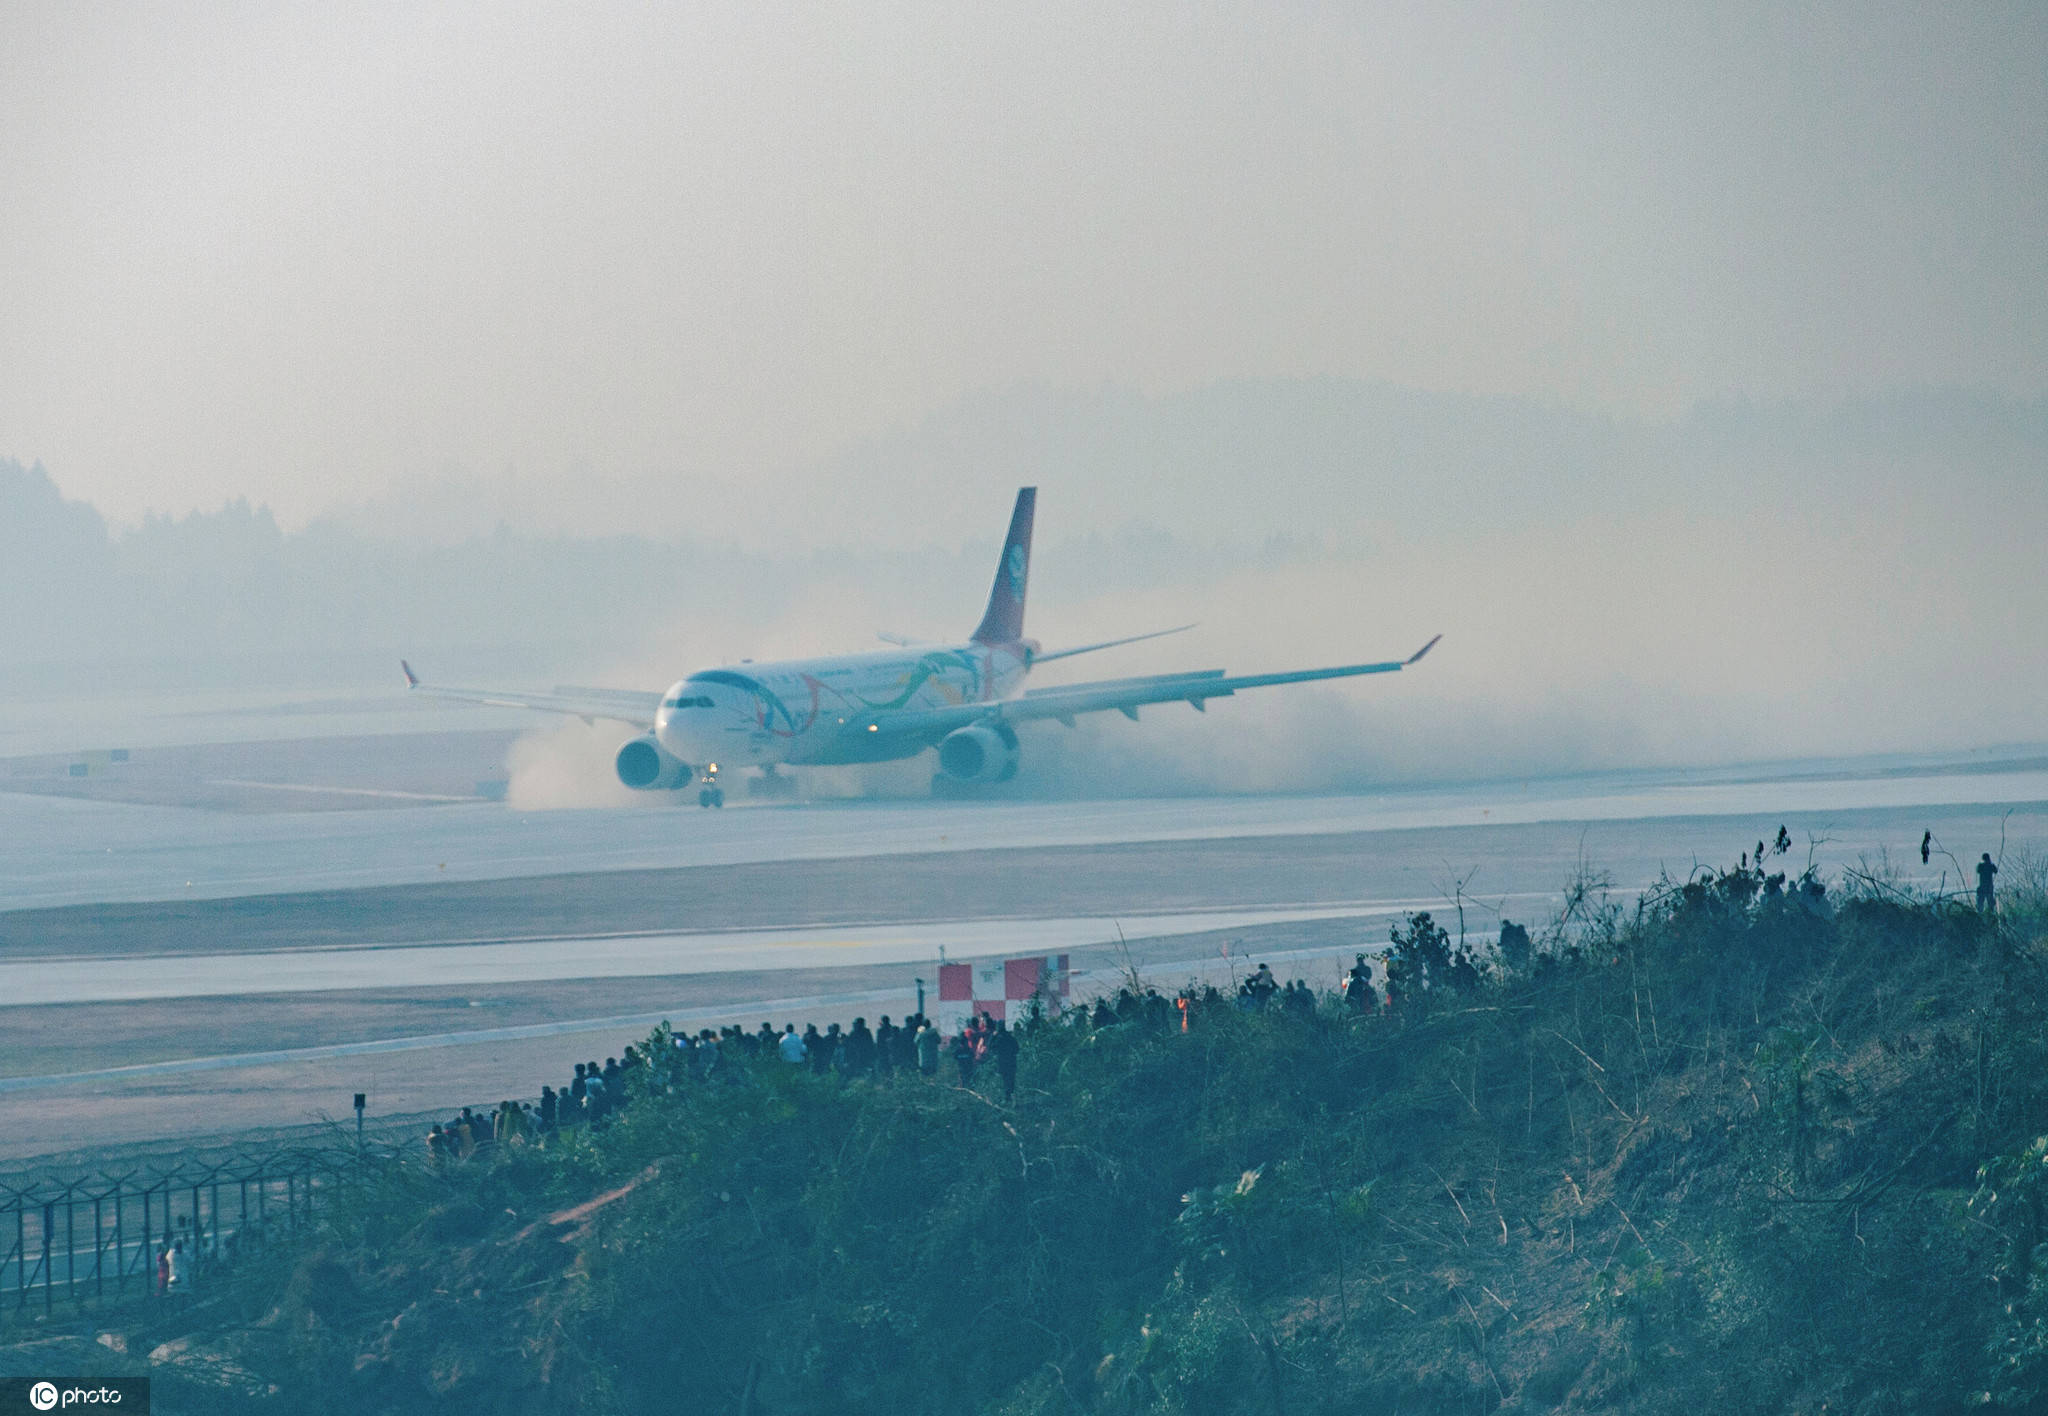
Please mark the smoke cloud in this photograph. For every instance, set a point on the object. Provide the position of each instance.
(1607, 643)
(569, 765)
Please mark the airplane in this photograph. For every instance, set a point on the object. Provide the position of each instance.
(883, 705)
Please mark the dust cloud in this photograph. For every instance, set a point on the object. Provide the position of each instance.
(1637, 640)
(569, 765)
(1649, 641)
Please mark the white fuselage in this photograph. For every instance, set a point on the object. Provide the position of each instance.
(821, 711)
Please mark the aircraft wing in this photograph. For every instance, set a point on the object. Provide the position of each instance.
(618, 704)
(1126, 696)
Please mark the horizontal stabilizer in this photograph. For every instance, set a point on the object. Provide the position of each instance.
(1108, 644)
(1194, 676)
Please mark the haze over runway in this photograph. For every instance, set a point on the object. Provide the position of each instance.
(133, 1010)
(66, 851)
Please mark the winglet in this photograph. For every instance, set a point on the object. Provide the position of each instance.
(1416, 657)
(412, 680)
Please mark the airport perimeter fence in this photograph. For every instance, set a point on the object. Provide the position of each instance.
(91, 1240)
(86, 1230)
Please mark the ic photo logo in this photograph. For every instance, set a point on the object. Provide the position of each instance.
(49, 1396)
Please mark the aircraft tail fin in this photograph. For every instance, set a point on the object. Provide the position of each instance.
(1004, 621)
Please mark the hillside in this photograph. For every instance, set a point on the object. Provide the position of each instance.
(1757, 1143)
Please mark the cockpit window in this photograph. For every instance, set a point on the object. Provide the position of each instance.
(727, 678)
(684, 701)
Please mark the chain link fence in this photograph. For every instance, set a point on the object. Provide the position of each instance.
(68, 1241)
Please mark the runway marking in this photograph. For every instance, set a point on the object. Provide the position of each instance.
(712, 931)
(337, 791)
(181, 852)
(113, 980)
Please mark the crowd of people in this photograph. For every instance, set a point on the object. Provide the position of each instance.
(595, 1094)
(889, 1051)
(1420, 962)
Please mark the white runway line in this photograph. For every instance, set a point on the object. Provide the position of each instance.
(374, 1046)
(50, 981)
(388, 795)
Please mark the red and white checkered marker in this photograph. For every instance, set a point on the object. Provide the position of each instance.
(1001, 988)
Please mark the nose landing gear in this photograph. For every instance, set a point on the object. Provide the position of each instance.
(711, 795)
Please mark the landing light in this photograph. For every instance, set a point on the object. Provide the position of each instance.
(874, 727)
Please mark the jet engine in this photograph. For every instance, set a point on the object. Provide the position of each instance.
(983, 752)
(645, 765)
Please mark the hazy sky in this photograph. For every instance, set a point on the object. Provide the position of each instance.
(300, 253)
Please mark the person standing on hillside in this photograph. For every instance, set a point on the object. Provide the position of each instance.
(927, 1049)
(1002, 1045)
(885, 1047)
(1262, 986)
(963, 1055)
(860, 1049)
(1358, 991)
(1987, 899)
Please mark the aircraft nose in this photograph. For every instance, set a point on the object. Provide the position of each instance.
(670, 732)
(684, 725)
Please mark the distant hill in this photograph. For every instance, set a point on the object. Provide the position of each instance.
(1837, 567)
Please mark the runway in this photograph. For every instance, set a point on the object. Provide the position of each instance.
(66, 851)
(1086, 982)
(436, 956)
(42, 982)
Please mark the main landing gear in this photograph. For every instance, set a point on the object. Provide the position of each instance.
(772, 785)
